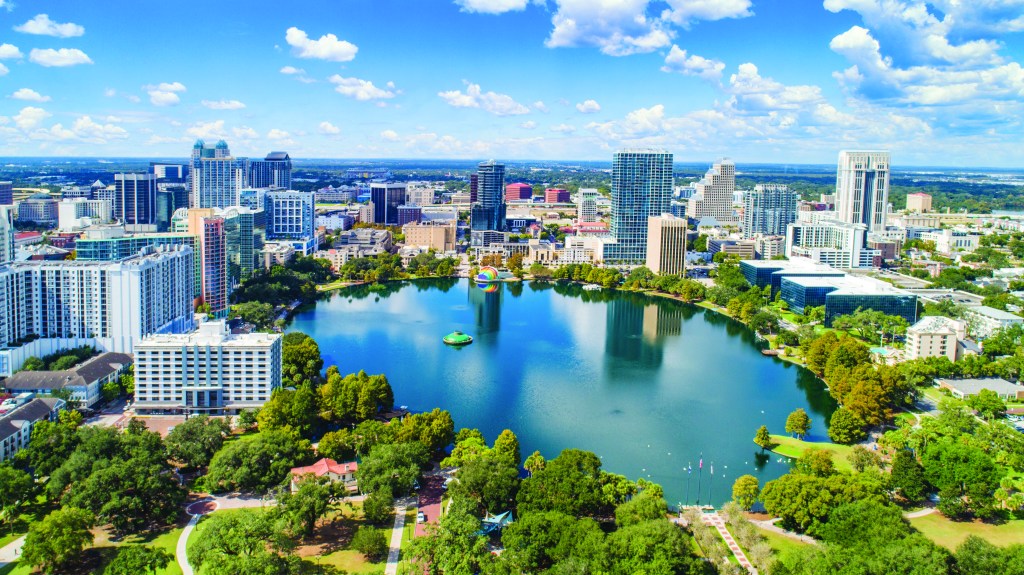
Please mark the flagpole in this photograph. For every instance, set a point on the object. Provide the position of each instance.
(689, 476)
(711, 480)
(700, 472)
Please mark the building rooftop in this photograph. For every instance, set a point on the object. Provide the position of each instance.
(972, 386)
(79, 376)
(996, 314)
(214, 333)
(936, 324)
(34, 410)
(792, 264)
(849, 285)
(325, 466)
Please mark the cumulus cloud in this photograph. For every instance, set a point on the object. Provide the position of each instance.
(43, 26)
(492, 6)
(9, 51)
(3, 70)
(292, 70)
(540, 106)
(360, 89)
(328, 129)
(276, 134)
(207, 130)
(528, 125)
(223, 104)
(588, 107)
(165, 93)
(751, 91)
(29, 117)
(389, 135)
(58, 58)
(563, 129)
(683, 12)
(29, 95)
(328, 47)
(692, 65)
(475, 97)
(245, 133)
(85, 128)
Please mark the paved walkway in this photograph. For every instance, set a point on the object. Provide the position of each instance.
(919, 513)
(11, 552)
(771, 526)
(181, 551)
(396, 536)
(715, 520)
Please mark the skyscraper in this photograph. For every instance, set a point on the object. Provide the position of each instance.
(666, 244)
(6, 233)
(768, 209)
(213, 255)
(291, 215)
(134, 200)
(586, 205)
(274, 171)
(386, 198)
(487, 215)
(245, 232)
(6, 193)
(713, 195)
(217, 177)
(862, 188)
(641, 187)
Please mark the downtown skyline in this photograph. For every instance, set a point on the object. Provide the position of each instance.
(758, 81)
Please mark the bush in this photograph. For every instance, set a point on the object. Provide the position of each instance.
(378, 508)
(370, 542)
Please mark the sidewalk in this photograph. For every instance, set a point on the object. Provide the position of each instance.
(11, 552)
(771, 526)
(715, 520)
(396, 536)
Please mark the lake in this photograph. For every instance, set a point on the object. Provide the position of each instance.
(651, 385)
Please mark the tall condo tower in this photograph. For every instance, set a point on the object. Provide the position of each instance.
(768, 209)
(714, 192)
(862, 188)
(641, 188)
(487, 216)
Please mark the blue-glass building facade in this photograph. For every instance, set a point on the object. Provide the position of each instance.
(641, 187)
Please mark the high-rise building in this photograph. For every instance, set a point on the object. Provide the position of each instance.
(714, 193)
(274, 171)
(386, 198)
(6, 193)
(518, 191)
(169, 199)
(217, 177)
(110, 244)
(213, 256)
(556, 196)
(291, 215)
(768, 209)
(862, 188)
(245, 232)
(6, 233)
(135, 200)
(74, 215)
(409, 214)
(106, 304)
(838, 244)
(210, 371)
(919, 202)
(487, 214)
(168, 173)
(419, 195)
(641, 187)
(474, 187)
(586, 205)
(38, 209)
(666, 244)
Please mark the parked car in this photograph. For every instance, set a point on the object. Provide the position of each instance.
(421, 517)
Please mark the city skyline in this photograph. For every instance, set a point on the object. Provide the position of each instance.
(937, 84)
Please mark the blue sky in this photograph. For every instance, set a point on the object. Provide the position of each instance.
(938, 83)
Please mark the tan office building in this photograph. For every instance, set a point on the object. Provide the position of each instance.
(438, 237)
(919, 203)
(666, 244)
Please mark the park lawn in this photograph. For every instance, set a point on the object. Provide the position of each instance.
(950, 534)
(792, 447)
(782, 544)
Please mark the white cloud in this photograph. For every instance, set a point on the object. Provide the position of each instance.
(563, 129)
(8, 51)
(540, 106)
(360, 89)
(168, 87)
(275, 134)
(528, 125)
(493, 102)
(3, 70)
(491, 6)
(683, 12)
(328, 47)
(87, 129)
(223, 104)
(29, 95)
(292, 70)
(61, 57)
(751, 91)
(588, 107)
(207, 130)
(389, 135)
(42, 25)
(110, 92)
(161, 98)
(245, 133)
(328, 128)
(692, 65)
(29, 117)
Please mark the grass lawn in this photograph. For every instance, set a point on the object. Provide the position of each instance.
(782, 544)
(949, 534)
(791, 447)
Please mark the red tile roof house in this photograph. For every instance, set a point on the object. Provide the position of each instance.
(344, 472)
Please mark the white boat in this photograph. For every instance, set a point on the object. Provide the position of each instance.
(591, 287)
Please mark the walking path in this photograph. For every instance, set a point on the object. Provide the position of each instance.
(715, 520)
(771, 526)
(919, 513)
(396, 537)
(11, 552)
(181, 551)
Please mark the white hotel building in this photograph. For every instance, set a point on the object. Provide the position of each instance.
(210, 371)
(46, 306)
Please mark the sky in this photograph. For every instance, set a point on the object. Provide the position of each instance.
(938, 83)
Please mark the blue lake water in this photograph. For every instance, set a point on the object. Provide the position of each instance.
(651, 385)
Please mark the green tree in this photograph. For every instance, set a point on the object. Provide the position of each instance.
(300, 360)
(988, 404)
(257, 313)
(762, 438)
(16, 488)
(58, 540)
(651, 547)
(817, 462)
(291, 409)
(846, 427)
(258, 462)
(53, 442)
(370, 542)
(136, 560)
(307, 505)
(392, 467)
(745, 491)
(862, 458)
(379, 506)
(534, 463)
(507, 445)
(225, 543)
(194, 442)
(569, 483)
(643, 507)
(490, 481)
(248, 418)
(798, 423)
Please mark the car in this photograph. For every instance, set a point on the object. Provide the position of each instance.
(421, 517)
(416, 485)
